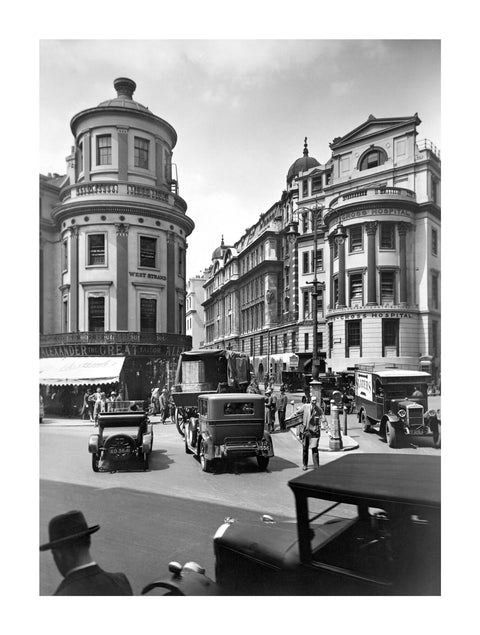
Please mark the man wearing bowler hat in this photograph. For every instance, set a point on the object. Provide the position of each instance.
(70, 544)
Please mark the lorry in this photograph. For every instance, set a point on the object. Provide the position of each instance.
(393, 402)
(206, 371)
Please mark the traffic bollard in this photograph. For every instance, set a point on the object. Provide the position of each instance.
(335, 442)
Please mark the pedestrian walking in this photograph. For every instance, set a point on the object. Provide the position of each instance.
(111, 401)
(310, 431)
(155, 400)
(69, 541)
(85, 412)
(282, 402)
(164, 405)
(270, 408)
(92, 404)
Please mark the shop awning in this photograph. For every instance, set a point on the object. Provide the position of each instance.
(80, 371)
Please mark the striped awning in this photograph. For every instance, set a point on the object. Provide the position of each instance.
(80, 371)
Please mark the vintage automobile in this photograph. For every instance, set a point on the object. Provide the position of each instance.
(393, 402)
(366, 525)
(228, 426)
(124, 439)
(206, 371)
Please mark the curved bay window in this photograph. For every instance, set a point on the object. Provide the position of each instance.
(148, 315)
(387, 235)
(356, 289)
(353, 338)
(390, 330)
(387, 287)
(96, 313)
(372, 159)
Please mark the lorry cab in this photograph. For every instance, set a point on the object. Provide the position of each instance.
(392, 401)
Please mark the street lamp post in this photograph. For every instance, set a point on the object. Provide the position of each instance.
(292, 233)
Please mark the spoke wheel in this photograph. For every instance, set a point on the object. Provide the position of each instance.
(179, 422)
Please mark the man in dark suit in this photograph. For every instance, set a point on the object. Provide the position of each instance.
(310, 432)
(70, 544)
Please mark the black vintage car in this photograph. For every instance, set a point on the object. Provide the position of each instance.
(124, 440)
(366, 525)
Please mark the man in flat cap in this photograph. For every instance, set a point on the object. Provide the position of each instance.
(70, 544)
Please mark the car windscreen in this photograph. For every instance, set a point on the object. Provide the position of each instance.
(402, 390)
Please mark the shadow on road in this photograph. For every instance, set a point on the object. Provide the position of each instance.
(159, 460)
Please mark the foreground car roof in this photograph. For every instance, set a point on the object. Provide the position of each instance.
(413, 481)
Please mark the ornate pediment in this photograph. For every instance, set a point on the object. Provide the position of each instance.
(372, 127)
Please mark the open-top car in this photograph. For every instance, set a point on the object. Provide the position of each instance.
(229, 426)
(367, 524)
(124, 440)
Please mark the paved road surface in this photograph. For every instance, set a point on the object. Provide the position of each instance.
(172, 511)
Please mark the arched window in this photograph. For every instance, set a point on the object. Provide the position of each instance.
(372, 159)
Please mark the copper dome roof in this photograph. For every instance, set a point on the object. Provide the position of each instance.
(302, 164)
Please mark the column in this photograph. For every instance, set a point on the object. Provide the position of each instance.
(402, 232)
(87, 162)
(122, 138)
(122, 276)
(331, 297)
(371, 263)
(171, 277)
(74, 279)
(341, 274)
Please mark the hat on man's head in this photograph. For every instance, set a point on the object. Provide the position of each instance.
(67, 527)
(113, 393)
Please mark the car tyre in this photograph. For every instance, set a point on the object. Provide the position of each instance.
(204, 462)
(262, 462)
(391, 435)
(366, 427)
(95, 460)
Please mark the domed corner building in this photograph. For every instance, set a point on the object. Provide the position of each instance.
(112, 256)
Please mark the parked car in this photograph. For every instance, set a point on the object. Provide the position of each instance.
(366, 525)
(124, 440)
(394, 403)
(228, 426)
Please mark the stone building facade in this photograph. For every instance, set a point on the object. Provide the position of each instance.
(374, 207)
(113, 245)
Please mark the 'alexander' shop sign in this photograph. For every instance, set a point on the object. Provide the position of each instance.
(110, 350)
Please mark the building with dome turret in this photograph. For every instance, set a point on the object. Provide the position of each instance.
(112, 252)
(366, 225)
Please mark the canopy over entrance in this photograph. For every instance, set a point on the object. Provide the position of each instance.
(80, 371)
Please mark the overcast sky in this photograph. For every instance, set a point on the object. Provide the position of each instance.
(241, 109)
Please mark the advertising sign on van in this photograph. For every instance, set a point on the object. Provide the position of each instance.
(363, 385)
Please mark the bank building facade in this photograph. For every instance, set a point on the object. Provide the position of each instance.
(365, 228)
(113, 234)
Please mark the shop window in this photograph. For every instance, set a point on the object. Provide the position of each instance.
(148, 252)
(140, 150)
(148, 315)
(373, 159)
(354, 333)
(387, 287)
(390, 330)
(96, 314)
(356, 289)
(96, 249)
(104, 149)
(434, 242)
(387, 235)
(356, 238)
